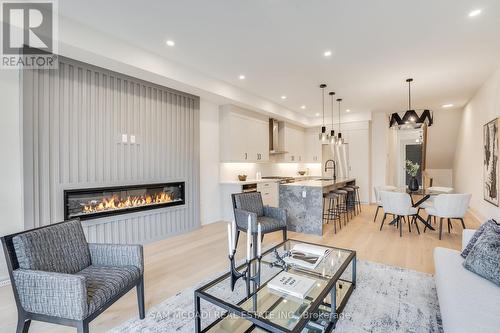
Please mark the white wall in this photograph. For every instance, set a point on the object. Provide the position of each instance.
(11, 193)
(210, 207)
(442, 139)
(380, 151)
(468, 166)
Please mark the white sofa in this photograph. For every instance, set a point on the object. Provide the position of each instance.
(468, 302)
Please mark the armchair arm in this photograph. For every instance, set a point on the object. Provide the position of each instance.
(241, 218)
(276, 213)
(117, 255)
(53, 294)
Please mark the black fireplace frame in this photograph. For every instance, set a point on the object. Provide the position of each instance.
(105, 213)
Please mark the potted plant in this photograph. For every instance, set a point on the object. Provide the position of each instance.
(412, 170)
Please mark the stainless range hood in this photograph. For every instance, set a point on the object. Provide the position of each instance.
(274, 143)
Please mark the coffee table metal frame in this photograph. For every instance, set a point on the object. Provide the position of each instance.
(264, 323)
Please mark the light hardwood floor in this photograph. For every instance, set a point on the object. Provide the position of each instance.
(182, 261)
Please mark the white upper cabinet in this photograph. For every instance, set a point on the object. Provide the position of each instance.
(313, 146)
(244, 135)
(292, 140)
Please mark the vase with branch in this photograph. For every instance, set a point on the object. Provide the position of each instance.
(412, 170)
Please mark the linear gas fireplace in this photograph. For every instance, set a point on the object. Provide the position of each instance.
(98, 202)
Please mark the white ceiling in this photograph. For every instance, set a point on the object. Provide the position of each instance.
(278, 45)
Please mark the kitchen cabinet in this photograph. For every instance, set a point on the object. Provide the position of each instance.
(313, 145)
(244, 136)
(268, 189)
(293, 142)
(270, 193)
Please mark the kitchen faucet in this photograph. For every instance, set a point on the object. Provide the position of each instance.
(331, 167)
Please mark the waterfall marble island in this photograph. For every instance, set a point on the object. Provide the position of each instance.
(303, 201)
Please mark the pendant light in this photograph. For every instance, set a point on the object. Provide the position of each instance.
(339, 138)
(323, 136)
(333, 139)
(411, 119)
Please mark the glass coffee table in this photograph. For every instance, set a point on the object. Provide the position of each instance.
(266, 310)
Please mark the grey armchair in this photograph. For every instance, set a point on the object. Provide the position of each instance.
(57, 277)
(250, 204)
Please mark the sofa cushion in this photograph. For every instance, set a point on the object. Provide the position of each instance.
(250, 202)
(468, 303)
(490, 224)
(484, 258)
(104, 282)
(58, 248)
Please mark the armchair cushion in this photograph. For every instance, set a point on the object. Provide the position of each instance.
(59, 248)
(105, 282)
(269, 224)
(53, 294)
(250, 202)
(117, 255)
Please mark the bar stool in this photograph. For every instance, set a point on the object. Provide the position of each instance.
(332, 212)
(342, 204)
(357, 201)
(351, 206)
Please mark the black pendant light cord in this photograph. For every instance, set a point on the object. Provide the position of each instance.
(339, 100)
(409, 92)
(323, 86)
(332, 94)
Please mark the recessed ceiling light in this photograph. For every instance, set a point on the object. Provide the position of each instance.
(348, 110)
(241, 77)
(170, 43)
(327, 53)
(475, 12)
(317, 114)
(447, 105)
(303, 107)
(283, 97)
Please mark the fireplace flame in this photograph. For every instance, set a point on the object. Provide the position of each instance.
(116, 202)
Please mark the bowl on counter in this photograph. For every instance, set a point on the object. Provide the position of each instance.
(242, 178)
(301, 173)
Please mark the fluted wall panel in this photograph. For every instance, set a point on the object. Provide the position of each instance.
(73, 121)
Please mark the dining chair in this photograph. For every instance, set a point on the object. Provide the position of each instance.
(450, 207)
(377, 190)
(399, 205)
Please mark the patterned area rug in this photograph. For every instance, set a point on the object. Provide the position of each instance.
(386, 299)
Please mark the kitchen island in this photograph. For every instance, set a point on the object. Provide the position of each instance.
(303, 201)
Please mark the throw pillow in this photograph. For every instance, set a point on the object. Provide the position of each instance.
(490, 224)
(484, 258)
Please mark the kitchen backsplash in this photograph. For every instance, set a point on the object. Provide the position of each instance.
(230, 171)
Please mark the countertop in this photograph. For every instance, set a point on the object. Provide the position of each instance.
(254, 181)
(248, 181)
(320, 183)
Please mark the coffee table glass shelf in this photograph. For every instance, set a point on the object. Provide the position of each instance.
(266, 310)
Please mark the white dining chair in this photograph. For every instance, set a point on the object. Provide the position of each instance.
(377, 190)
(450, 207)
(399, 205)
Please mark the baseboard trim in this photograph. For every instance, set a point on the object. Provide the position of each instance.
(476, 215)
